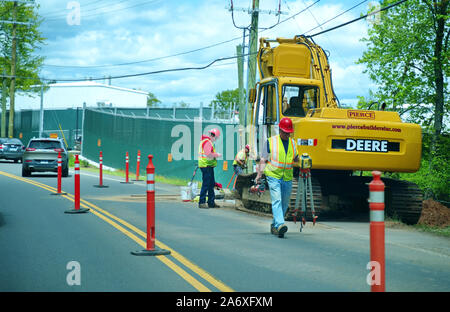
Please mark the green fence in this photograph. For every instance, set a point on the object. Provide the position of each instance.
(115, 134)
(65, 122)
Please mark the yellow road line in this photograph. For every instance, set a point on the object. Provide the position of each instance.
(186, 276)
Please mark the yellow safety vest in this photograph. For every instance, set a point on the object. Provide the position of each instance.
(204, 161)
(242, 156)
(280, 165)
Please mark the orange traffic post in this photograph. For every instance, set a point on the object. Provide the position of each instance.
(377, 242)
(59, 192)
(100, 185)
(151, 250)
(77, 208)
(127, 170)
(138, 164)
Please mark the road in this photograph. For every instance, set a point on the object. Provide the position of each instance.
(216, 250)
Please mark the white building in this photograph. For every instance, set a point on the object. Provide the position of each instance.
(75, 94)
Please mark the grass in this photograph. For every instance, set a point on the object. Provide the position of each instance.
(121, 173)
(395, 223)
(434, 229)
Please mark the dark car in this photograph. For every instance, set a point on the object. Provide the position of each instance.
(41, 155)
(2, 140)
(11, 149)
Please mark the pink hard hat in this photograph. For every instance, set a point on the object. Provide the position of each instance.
(247, 147)
(215, 131)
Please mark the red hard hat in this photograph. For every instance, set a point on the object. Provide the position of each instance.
(215, 131)
(286, 125)
(247, 147)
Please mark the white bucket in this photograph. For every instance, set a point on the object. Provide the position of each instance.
(186, 193)
(194, 189)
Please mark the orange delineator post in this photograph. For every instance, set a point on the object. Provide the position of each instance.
(101, 168)
(77, 208)
(151, 235)
(100, 185)
(377, 228)
(59, 171)
(126, 167)
(127, 170)
(138, 163)
(150, 204)
(59, 192)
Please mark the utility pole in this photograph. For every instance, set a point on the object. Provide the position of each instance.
(240, 63)
(4, 90)
(41, 113)
(251, 65)
(12, 87)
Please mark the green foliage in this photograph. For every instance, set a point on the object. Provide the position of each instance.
(225, 100)
(29, 40)
(152, 101)
(407, 56)
(433, 177)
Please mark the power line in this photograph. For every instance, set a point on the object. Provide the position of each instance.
(359, 18)
(225, 58)
(106, 12)
(62, 14)
(173, 55)
(320, 25)
(132, 75)
(148, 60)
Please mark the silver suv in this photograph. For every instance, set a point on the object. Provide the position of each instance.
(41, 155)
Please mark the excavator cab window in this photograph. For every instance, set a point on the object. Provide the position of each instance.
(297, 100)
(266, 112)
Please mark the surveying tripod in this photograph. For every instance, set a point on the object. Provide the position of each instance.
(304, 186)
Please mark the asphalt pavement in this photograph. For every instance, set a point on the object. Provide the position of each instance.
(221, 249)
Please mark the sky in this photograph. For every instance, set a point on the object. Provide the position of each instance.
(121, 37)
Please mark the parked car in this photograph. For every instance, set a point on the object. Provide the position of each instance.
(41, 155)
(2, 140)
(11, 149)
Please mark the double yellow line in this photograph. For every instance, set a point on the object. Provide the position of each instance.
(125, 228)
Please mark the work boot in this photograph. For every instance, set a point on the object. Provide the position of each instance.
(214, 206)
(273, 230)
(281, 230)
(204, 206)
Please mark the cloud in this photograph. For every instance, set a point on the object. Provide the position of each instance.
(117, 33)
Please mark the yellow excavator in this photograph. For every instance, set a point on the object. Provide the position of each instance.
(296, 82)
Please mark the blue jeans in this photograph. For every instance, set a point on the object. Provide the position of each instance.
(208, 183)
(238, 169)
(280, 193)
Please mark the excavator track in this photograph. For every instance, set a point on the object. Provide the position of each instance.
(337, 196)
(403, 200)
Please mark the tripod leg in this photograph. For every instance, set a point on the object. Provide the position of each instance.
(304, 190)
(313, 211)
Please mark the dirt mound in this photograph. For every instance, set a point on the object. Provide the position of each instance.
(434, 214)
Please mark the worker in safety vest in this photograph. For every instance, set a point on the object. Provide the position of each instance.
(240, 161)
(206, 162)
(277, 162)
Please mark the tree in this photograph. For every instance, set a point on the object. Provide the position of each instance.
(19, 42)
(408, 58)
(152, 101)
(225, 101)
